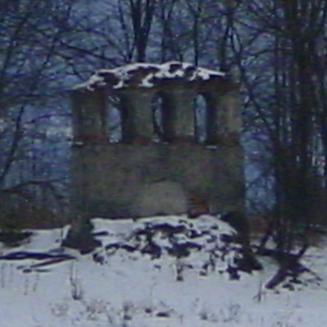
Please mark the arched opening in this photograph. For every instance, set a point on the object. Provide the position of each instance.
(201, 121)
(160, 198)
(114, 119)
(156, 107)
(160, 118)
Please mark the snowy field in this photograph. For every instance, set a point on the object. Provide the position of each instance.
(118, 286)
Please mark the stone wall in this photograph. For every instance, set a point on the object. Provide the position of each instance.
(120, 180)
(143, 175)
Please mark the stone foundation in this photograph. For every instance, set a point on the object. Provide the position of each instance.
(120, 180)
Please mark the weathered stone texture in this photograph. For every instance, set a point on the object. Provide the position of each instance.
(120, 180)
(139, 176)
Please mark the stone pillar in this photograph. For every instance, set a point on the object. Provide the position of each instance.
(224, 118)
(179, 116)
(89, 116)
(137, 116)
(211, 119)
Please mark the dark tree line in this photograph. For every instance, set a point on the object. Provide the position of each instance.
(292, 106)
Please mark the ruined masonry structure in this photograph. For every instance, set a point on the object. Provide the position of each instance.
(162, 161)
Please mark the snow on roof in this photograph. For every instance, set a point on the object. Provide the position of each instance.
(148, 75)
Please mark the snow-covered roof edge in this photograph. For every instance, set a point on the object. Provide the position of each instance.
(147, 75)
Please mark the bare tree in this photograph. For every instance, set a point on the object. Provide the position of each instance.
(30, 33)
(277, 45)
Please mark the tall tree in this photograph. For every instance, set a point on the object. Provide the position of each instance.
(30, 35)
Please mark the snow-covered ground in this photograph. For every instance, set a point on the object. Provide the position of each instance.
(129, 288)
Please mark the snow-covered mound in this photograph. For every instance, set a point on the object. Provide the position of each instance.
(149, 75)
(206, 244)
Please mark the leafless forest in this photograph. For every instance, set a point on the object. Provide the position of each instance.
(276, 49)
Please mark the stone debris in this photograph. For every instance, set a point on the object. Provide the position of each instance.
(208, 243)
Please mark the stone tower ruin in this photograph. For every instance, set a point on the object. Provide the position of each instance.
(156, 140)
